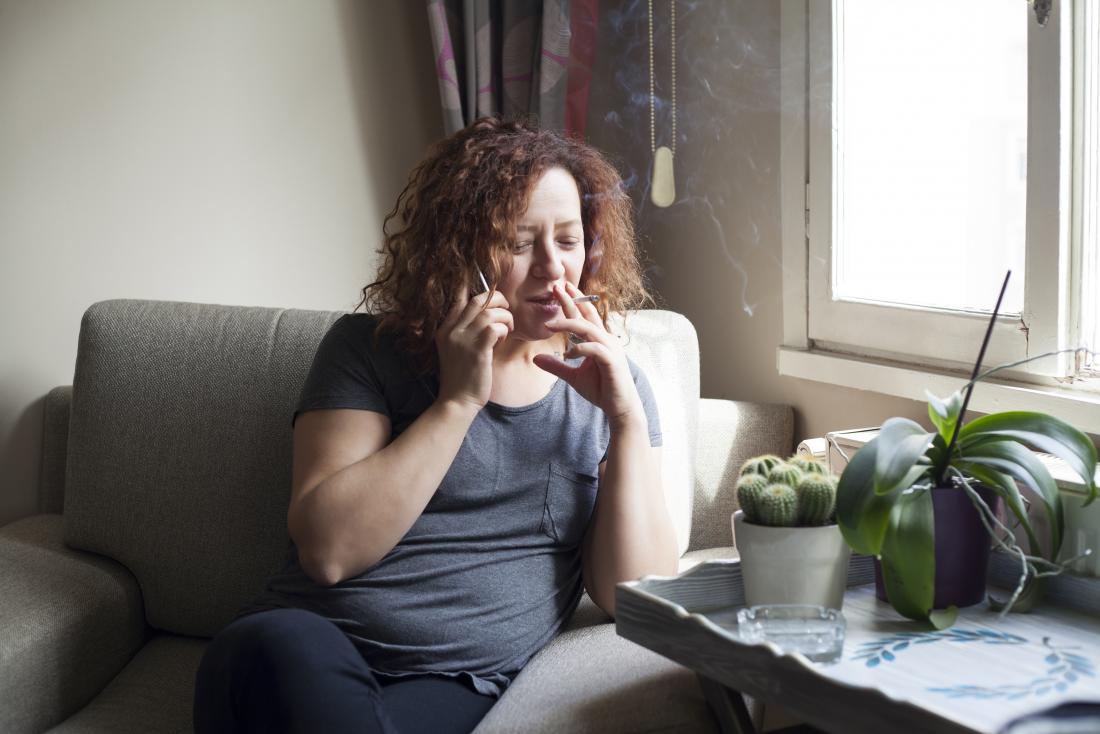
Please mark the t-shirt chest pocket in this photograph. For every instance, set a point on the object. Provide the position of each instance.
(570, 497)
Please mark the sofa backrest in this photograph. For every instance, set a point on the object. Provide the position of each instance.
(664, 344)
(179, 450)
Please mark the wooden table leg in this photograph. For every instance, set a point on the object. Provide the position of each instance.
(728, 707)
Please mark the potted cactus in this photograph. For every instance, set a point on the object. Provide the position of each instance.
(791, 549)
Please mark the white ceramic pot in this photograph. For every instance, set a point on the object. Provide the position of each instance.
(792, 565)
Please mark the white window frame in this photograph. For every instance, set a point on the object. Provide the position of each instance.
(1086, 168)
(905, 351)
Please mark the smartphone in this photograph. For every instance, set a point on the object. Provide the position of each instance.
(481, 277)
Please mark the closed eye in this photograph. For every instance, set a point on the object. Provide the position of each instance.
(567, 243)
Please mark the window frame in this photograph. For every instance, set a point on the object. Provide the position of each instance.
(933, 336)
(1086, 175)
(838, 353)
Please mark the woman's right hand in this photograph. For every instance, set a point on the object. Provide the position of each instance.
(465, 342)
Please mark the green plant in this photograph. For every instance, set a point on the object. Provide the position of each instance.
(809, 465)
(884, 500)
(884, 503)
(788, 474)
(749, 488)
(760, 464)
(777, 506)
(796, 492)
(816, 499)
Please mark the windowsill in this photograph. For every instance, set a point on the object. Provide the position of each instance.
(1078, 409)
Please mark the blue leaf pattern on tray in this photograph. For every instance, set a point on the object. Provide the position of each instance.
(1063, 668)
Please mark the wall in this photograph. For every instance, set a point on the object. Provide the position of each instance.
(238, 152)
(246, 152)
(715, 255)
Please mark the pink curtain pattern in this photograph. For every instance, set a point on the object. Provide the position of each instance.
(511, 57)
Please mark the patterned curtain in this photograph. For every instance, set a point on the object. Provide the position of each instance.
(510, 57)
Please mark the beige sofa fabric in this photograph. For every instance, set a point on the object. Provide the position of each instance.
(621, 688)
(69, 621)
(665, 346)
(586, 680)
(152, 695)
(180, 449)
(177, 465)
(729, 433)
(589, 680)
(180, 443)
(55, 446)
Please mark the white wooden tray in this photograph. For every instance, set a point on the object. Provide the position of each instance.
(974, 677)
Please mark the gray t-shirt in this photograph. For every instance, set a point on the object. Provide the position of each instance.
(491, 570)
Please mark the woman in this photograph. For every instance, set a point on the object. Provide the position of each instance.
(467, 458)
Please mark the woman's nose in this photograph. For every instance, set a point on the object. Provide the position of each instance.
(548, 263)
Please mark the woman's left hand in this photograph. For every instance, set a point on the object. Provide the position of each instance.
(603, 378)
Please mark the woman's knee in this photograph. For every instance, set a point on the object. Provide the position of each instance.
(280, 644)
(283, 667)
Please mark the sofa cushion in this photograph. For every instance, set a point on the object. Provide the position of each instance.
(153, 693)
(664, 344)
(589, 679)
(180, 443)
(180, 449)
(69, 621)
(55, 449)
(730, 432)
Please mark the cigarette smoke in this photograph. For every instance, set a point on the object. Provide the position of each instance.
(727, 96)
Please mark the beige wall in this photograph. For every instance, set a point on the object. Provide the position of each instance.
(715, 270)
(238, 152)
(245, 152)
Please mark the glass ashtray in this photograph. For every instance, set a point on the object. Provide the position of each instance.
(814, 631)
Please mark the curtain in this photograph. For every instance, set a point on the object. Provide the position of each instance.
(512, 57)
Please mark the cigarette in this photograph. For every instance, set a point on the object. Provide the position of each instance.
(484, 283)
(587, 299)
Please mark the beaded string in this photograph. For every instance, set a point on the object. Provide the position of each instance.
(652, 94)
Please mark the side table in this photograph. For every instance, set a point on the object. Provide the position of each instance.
(893, 674)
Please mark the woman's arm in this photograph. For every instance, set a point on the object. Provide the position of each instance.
(630, 534)
(353, 495)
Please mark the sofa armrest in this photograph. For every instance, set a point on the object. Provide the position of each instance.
(55, 449)
(730, 432)
(70, 622)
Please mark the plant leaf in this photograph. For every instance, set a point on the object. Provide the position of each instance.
(901, 443)
(914, 475)
(1029, 597)
(937, 454)
(1020, 463)
(861, 514)
(909, 555)
(1005, 487)
(1043, 433)
(944, 413)
(941, 619)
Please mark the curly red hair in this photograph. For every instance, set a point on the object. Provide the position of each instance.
(459, 208)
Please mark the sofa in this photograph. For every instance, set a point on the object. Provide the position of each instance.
(165, 479)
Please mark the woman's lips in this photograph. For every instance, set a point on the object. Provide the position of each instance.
(547, 306)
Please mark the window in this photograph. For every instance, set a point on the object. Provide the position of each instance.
(1087, 179)
(926, 150)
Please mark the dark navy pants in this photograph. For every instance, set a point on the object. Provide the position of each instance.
(288, 670)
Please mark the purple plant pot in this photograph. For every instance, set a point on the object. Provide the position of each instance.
(962, 548)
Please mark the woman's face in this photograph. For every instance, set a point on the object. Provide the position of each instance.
(547, 250)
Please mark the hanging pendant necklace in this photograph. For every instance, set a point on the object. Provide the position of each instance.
(663, 188)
